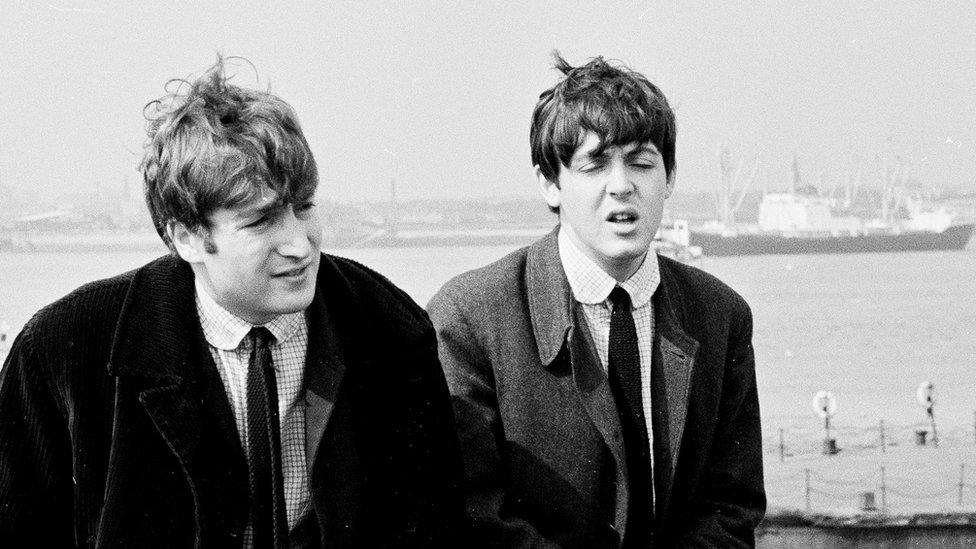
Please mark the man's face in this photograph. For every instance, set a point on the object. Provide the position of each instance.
(611, 204)
(263, 257)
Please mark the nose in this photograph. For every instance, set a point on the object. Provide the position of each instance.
(295, 239)
(619, 183)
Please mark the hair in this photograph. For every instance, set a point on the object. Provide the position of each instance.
(619, 105)
(219, 145)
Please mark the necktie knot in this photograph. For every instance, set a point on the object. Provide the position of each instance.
(620, 299)
(261, 340)
(261, 336)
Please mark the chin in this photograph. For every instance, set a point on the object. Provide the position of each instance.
(295, 304)
(629, 250)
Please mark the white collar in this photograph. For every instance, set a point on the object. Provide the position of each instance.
(591, 284)
(225, 331)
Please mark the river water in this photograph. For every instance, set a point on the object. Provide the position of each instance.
(868, 327)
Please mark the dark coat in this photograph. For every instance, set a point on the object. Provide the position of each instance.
(540, 433)
(115, 430)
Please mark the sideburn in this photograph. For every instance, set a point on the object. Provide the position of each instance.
(208, 245)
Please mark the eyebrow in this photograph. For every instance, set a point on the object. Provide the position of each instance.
(255, 211)
(636, 151)
(644, 149)
(589, 156)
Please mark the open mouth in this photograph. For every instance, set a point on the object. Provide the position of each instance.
(623, 217)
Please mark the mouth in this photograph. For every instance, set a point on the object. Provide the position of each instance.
(292, 273)
(623, 217)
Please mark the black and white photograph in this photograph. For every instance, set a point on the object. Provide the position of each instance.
(560, 274)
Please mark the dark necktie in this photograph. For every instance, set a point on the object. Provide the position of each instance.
(269, 521)
(625, 383)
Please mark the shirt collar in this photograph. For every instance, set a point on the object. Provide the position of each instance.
(591, 284)
(225, 331)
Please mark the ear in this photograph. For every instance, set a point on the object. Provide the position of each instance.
(549, 189)
(188, 244)
(669, 186)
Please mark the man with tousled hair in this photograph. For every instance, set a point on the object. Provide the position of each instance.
(245, 390)
(606, 397)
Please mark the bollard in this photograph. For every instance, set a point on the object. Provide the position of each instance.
(830, 446)
(920, 435)
(867, 501)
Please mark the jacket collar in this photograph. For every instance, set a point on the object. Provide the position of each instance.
(550, 297)
(156, 326)
(551, 304)
(157, 335)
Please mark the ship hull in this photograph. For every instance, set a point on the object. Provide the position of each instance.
(953, 238)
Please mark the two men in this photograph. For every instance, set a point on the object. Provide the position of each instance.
(248, 390)
(245, 390)
(606, 397)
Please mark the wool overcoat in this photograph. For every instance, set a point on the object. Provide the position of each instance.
(545, 459)
(115, 430)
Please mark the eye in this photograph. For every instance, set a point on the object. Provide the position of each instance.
(258, 222)
(591, 167)
(643, 162)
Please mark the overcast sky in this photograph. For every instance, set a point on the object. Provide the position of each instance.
(438, 95)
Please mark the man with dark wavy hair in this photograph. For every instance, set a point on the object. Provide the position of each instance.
(245, 390)
(606, 396)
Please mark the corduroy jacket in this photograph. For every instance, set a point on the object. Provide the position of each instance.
(115, 430)
(544, 453)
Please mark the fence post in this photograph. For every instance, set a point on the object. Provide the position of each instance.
(962, 481)
(782, 447)
(807, 472)
(884, 489)
(883, 444)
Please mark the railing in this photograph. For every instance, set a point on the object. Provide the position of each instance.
(885, 468)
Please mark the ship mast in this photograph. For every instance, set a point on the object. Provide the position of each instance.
(796, 182)
(393, 220)
(730, 180)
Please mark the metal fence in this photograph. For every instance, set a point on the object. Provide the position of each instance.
(885, 467)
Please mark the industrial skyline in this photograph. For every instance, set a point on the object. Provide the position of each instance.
(438, 95)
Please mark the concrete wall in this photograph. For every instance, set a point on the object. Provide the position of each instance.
(812, 537)
(936, 531)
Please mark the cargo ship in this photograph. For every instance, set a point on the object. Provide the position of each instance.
(791, 223)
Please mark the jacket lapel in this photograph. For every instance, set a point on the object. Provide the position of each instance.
(324, 370)
(673, 361)
(594, 388)
(159, 350)
(558, 323)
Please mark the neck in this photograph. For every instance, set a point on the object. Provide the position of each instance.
(624, 269)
